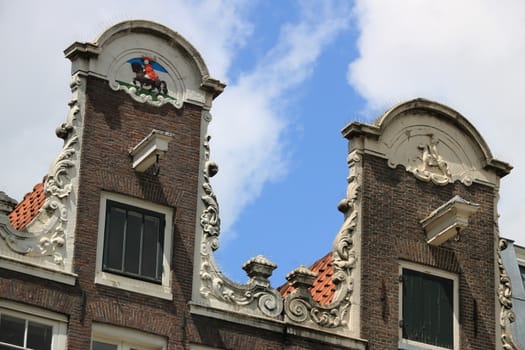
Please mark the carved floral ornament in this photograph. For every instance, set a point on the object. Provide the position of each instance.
(257, 296)
(507, 316)
(45, 237)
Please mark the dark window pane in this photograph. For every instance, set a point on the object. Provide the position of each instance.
(151, 248)
(12, 330)
(522, 272)
(427, 308)
(114, 235)
(103, 346)
(133, 243)
(39, 336)
(134, 239)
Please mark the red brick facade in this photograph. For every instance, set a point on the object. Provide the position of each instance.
(381, 232)
(394, 202)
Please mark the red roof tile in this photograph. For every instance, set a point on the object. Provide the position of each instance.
(28, 208)
(323, 288)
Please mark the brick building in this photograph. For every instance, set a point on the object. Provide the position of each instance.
(115, 248)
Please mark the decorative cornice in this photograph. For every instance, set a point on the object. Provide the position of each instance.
(174, 73)
(432, 141)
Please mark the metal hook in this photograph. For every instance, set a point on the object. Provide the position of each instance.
(156, 167)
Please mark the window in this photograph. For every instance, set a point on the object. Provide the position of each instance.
(134, 245)
(133, 241)
(21, 330)
(428, 309)
(522, 273)
(107, 337)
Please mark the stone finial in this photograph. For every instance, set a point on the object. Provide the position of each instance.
(259, 269)
(7, 204)
(301, 278)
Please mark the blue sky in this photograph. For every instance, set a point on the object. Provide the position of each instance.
(297, 73)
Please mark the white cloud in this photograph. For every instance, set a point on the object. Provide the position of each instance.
(249, 144)
(467, 54)
(249, 118)
(35, 78)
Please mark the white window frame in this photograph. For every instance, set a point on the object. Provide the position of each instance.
(415, 345)
(126, 338)
(106, 278)
(30, 313)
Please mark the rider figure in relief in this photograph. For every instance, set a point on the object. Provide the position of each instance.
(149, 72)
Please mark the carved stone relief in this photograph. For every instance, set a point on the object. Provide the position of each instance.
(299, 305)
(145, 78)
(430, 165)
(46, 235)
(507, 316)
(431, 141)
(256, 296)
(433, 155)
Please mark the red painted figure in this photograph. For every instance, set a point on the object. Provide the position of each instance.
(149, 72)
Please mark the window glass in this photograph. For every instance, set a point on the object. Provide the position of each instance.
(522, 272)
(12, 330)
(24, 334)
(152, 245)
(39, 336)
(134, 239)
(133, 242)
(103, 346)
(115, 223)
(427, 308)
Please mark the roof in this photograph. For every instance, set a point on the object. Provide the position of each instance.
(323, 288)
(28, 208)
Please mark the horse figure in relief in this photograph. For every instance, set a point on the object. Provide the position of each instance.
(146, 77)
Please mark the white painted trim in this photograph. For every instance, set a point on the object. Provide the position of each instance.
(276, 326)
(26, 312)
(162, 290)
(14, 264)
(410, 344)
(126, 338)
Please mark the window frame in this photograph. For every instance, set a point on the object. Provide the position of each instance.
(57, 321)
(114, 335)
(110, 204)
(136, 284)
(412, 344)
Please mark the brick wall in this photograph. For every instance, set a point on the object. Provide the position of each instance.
(393, 203)
(113, 123)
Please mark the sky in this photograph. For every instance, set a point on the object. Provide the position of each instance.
(297, 73)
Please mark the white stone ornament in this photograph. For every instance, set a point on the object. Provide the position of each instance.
(47, 239)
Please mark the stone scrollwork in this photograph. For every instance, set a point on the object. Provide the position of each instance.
(507, 316)
(299, 305)
(257, 296)
(432, 166)
(157, 101)
(45, 236)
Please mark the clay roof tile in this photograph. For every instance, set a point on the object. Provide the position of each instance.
(28, 208)
(323, 288)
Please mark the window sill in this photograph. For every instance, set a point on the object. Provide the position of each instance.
(404, 345)
(133, 285)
